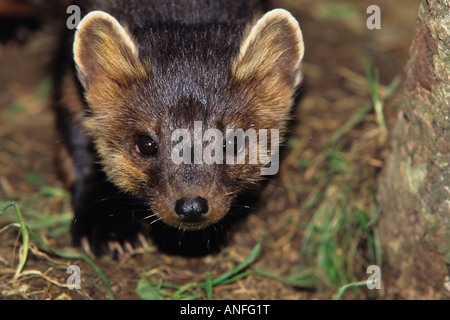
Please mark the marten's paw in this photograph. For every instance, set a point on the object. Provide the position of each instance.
(116, 232)
(115, 249)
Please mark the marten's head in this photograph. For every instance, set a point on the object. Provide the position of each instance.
(142, 86)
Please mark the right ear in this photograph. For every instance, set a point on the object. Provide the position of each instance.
(105, 51)
(269, 62)
(271, 51)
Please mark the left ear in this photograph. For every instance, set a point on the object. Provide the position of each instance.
(105, 52)
(271, 52)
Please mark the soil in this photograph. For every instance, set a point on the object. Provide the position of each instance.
(335, 87)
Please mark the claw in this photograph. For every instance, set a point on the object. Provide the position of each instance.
(116, 249)
(128, 247)
(142, 241)
(85, 245)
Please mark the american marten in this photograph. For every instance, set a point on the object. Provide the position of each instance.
(143, 69)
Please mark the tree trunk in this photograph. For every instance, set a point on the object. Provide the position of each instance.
(414, 188)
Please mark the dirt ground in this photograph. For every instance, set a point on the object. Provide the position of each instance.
(335, 88)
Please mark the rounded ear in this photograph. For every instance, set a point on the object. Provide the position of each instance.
(271, 50)
(104, 50)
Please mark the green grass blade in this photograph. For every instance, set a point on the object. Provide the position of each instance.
(183, 289)
(74, 255)
(350, 124)
(26, 231)
(242, 265)
(304, 278)
(377, 98)
(209, 286)
(391, 87)
(342, 289)
(25, 237)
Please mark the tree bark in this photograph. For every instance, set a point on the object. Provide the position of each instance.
(414, 188)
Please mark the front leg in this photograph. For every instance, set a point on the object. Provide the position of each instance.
(103, 216)
(106, 221)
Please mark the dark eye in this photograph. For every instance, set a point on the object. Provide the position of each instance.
(231, 143)
(146, 146)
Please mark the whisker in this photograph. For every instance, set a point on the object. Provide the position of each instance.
(149, 217)
(128, 211)
(156, 220)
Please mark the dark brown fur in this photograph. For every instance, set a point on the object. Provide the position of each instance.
(158, 68)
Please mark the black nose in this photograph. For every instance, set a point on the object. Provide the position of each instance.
(191, 209)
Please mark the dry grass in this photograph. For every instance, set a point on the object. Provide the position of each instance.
(318, 215)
